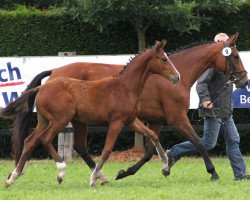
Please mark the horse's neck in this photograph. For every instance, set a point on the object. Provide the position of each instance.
(135, 76)
(191, 64)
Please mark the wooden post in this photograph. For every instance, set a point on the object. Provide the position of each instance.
(65, 145)
(139, 141)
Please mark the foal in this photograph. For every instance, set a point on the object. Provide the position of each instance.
(112, 100)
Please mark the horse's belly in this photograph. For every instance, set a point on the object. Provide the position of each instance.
(91, 117)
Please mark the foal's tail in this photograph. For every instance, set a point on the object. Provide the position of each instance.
(22, 110)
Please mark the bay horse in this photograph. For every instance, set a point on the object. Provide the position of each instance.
(111, 100)
(156, 105)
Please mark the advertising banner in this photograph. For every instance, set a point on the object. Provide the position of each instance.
(17, 72)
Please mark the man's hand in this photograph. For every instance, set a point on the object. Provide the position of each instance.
(207, 104)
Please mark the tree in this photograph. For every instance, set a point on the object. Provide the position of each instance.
(180, 15)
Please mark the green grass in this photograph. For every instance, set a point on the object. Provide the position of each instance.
(188, 180)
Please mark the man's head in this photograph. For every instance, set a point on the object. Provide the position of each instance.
(221, 37)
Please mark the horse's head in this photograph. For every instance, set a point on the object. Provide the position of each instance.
(229, 61)
(162, 65)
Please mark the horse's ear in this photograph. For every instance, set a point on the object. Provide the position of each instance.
(233, 38)
(160, 45)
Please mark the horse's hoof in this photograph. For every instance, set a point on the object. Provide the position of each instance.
(121, 174)
(104, 182)
(59, 179)
(215, 178)
(165, 172)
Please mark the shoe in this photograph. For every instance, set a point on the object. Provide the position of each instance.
(171, 160)
(244, 176)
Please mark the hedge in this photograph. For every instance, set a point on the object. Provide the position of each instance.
(30, 32)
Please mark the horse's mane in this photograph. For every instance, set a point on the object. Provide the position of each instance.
(188, 46)
(130, 60)
(182, 48)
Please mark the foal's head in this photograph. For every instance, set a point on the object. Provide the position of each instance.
(229, 61)
(161, 64)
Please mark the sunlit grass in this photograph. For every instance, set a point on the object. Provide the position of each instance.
(188, 180)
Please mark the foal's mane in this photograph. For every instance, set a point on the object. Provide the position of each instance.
(130, 60)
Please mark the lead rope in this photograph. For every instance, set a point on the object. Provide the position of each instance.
(213, 101)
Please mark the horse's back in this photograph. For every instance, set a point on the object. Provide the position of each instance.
(86, 71)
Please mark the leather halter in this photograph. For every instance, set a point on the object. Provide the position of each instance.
(231, 66)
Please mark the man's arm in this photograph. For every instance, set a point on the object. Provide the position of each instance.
(202, 88)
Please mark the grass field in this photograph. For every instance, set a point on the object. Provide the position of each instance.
(188, 181)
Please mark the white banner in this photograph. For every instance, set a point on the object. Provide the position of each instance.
(17, 72)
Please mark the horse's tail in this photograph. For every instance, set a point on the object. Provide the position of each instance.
(38, 79)
(22, 108)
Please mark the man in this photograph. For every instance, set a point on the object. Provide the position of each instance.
(217, 117)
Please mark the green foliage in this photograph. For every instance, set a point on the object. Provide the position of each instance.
(41, 4)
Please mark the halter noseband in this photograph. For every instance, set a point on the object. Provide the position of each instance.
(230, 64)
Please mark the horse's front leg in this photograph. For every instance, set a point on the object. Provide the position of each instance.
(139, 127)
(188, 132)
(149, 152)
(80, 146)
(114, 129)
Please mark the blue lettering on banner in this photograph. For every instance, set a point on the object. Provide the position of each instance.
(9, 98)
(10, 72)
(241, 97)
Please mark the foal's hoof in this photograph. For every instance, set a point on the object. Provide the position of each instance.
(59, 179)
(92, 185)
(165, 172)
(6, 184)
(121, 174)
(104, 182)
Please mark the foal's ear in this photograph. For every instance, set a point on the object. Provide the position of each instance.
(232, 39)
(160, 45)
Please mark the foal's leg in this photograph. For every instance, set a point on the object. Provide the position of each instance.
(149, 152)
(114, 129)
(29, 144)
(139, 127)
(80, 146)
(46, 139)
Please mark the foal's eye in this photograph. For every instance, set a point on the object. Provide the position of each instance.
(164, 59)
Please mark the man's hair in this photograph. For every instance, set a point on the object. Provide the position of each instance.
(221, 37)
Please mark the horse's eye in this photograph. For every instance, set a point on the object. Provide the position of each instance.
(164, 59)
(236, 58)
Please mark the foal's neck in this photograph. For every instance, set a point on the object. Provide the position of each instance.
(136, 74)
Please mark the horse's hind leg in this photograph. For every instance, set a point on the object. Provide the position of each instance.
(139, 127)
(29, 145)
(80, 146)
(149, 152)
